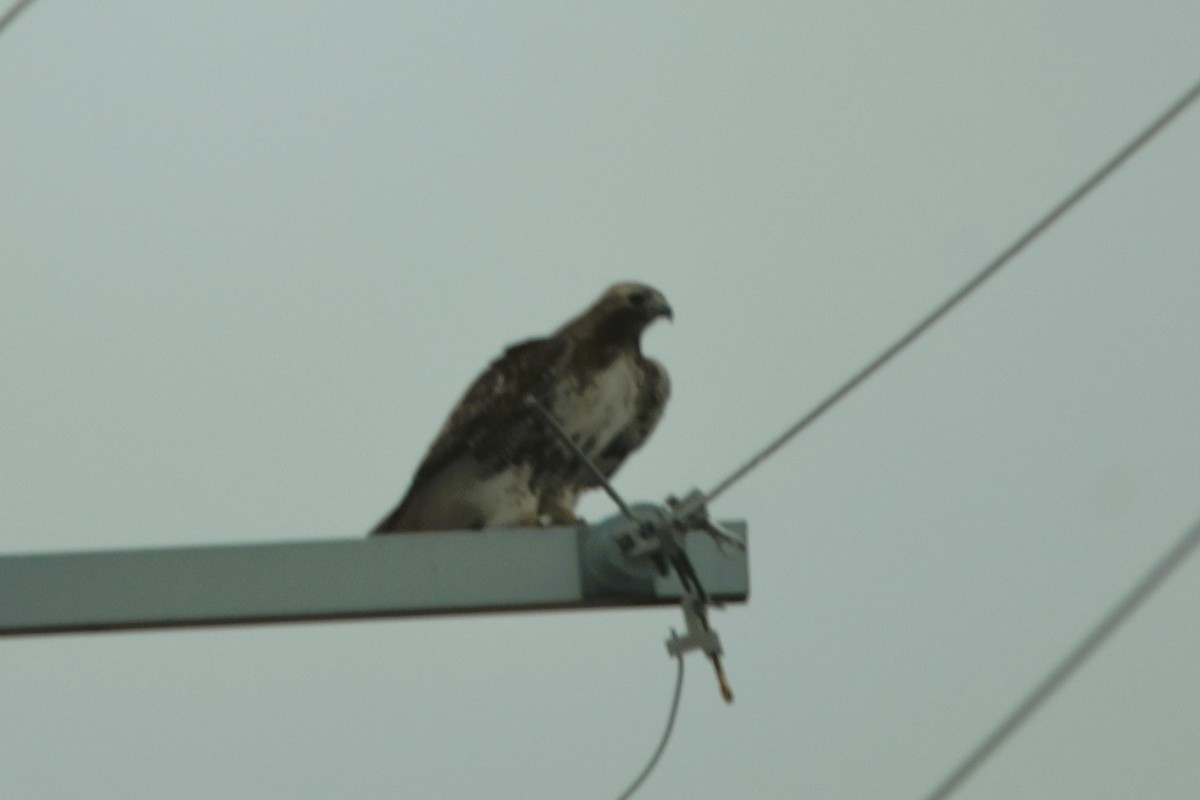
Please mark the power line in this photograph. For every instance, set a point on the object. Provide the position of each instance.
(1111, 621)
(1073, 660)
(13, 10)
(662, 744)
(970, 286)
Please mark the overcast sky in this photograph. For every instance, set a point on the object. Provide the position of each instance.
(251, 254)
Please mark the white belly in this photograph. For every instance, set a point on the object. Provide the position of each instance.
(595, 413)
(457, 498)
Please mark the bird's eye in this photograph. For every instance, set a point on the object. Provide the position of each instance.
(638, 299)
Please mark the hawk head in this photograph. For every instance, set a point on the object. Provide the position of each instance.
(622, 313)
(619, 316)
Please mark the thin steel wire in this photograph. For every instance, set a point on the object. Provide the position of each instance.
(13, 10)
(662, 744)
(688, 578)
(1073, 660)
(549, 419)
(970, 286)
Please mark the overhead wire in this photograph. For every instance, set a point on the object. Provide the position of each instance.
(1144, 588)
(990, 269)
(1108, 625)
(662, 743)
(1126, 606)
(1153, 579)
(13, 11)
(1054, 680)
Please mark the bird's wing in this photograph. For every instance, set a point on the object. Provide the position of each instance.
(490, 422)
(491, 417)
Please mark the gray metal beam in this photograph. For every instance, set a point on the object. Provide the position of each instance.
(384, 576)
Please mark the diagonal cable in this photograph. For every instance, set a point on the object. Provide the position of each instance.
(1090, 643)
(695, 599)
(994, 266)
(15, 9)
(548, 418)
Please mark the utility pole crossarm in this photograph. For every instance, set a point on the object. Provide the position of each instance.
(449, 572)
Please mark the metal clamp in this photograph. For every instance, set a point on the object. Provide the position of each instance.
(658, 536)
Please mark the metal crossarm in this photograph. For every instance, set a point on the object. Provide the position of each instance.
(451, 572)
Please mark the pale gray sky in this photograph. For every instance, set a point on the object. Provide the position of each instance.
(250, 254)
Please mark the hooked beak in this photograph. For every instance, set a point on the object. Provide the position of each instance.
(660, 308)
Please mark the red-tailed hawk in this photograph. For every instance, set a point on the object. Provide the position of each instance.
(497, 464)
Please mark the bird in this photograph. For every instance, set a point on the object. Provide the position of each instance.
(496, 463)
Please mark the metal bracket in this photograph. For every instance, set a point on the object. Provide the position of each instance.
(658, 535)
(692, 514)
(655, 535)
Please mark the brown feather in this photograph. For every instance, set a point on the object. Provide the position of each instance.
(495, 463)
